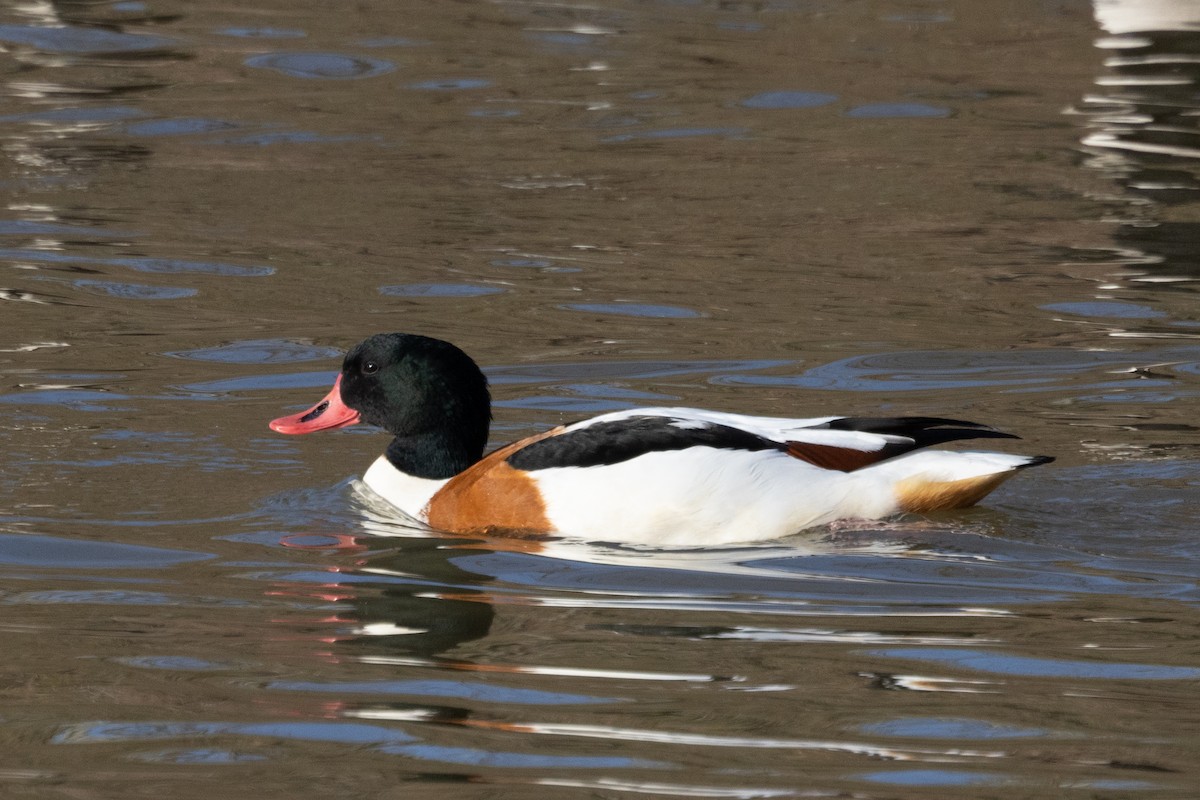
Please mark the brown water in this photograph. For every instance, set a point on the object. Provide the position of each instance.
(977, 209)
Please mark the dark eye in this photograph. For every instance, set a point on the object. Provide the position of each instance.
(370, 368)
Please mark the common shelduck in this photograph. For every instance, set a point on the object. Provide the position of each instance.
(661, 476)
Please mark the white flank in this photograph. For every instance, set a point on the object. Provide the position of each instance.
(708, 496)
(704, 495)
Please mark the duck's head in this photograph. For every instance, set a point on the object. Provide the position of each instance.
(411, 386)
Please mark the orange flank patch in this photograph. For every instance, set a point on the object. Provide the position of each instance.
(842, 459)
(920, 496)
(491, 498)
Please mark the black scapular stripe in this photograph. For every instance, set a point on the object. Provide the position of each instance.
(621, 440)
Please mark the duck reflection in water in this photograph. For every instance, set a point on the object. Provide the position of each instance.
(409, 602)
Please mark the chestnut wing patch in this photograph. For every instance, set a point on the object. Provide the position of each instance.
(842, 459)
(620, 440)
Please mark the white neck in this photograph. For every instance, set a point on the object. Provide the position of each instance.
(406, 492)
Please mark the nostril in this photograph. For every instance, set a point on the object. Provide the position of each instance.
(317, 411)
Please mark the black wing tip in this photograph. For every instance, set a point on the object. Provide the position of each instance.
(924, 430)
(1037, 461)
(983, 432)
(876, 424)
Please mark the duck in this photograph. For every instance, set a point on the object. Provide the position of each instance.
(643, 476)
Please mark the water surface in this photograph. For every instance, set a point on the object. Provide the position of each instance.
(968, 209)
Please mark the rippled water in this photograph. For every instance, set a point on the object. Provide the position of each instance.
(984, 210)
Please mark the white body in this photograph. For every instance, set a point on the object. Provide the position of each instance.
(712, 496)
